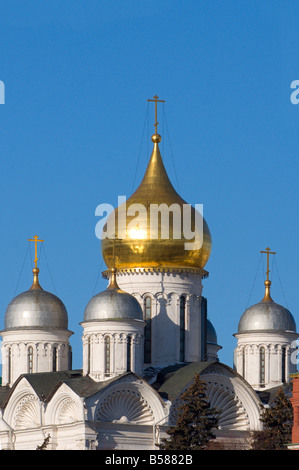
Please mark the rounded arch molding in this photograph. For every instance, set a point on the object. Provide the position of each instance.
(230, 394)
(129, 403)
(26, 413)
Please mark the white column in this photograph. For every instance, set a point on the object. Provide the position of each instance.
(85, 341)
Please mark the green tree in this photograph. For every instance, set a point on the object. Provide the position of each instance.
(196, 420)
(278, 423)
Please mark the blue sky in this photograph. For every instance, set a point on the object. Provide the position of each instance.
(74, 134)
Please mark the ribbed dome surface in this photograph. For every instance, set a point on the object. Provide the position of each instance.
(266, 316)
(113, 304)
(142, 247)
(211, 333)
(36, 308)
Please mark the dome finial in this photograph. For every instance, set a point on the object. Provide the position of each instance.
(156, 138)
(35, 270)
(113, 282)
(267, 297)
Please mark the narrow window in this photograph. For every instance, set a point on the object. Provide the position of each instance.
(182, 328)
(262, 367)
(243, 362)
(70, 358)
(283, 365)
(54, 360)
(9, 365)
(129, 353)
(30, 359)
(148, 331)
(88, 355)
(107, 355)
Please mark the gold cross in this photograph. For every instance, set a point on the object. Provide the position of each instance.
(156, 100)
(35, 240)
(268, 253)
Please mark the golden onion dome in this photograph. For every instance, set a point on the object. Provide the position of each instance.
(137, 245)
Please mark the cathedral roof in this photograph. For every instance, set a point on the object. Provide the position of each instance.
(45, 384)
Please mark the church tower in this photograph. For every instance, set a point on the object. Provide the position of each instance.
(160, 266)
(266, 342)
(113, 334)
(35, 335)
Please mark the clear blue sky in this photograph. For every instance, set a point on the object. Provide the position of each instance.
(77, 77)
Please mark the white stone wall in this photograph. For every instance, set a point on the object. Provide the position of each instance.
(118, 332)
(247, 357)
(15, 349)
(165, 290)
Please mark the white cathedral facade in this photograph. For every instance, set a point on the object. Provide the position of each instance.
(144, 339)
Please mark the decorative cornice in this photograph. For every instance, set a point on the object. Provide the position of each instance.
(163, 269)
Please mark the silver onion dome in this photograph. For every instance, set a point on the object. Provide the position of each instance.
(266, 316)
(211, 333)
(36, 308)
(113, 304)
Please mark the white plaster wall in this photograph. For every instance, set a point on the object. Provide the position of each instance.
(42, 342)
(273, 342)
(118, 331)
(165, 290)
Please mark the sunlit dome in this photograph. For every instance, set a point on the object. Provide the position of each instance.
(113, 304)
(266, 316)
(137, 245)
(36, 308)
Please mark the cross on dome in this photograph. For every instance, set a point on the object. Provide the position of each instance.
(268, 282)
(156, 101)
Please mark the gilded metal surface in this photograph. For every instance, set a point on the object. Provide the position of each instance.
(169, 269)
(35, 284)
(35, 240)
(138, 250)
(156, 101)
(266, 316)
(267, 297)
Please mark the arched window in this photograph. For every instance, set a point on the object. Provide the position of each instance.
(148, 330)
(54, 360)
(129, 341)
(30, 359)
(262, 366)
(182, 328)
(283, 365)
(107, 355)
